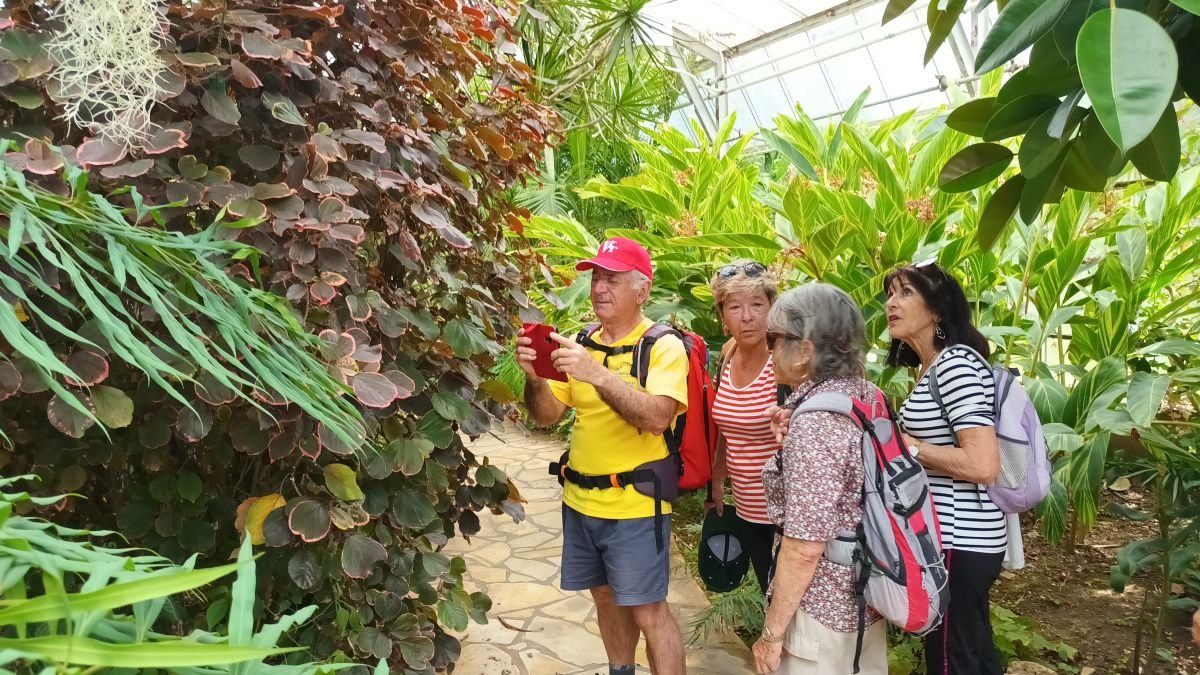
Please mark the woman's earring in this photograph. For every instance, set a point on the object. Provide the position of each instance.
(938, 332)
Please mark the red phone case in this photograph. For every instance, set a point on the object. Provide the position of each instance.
(543, 345)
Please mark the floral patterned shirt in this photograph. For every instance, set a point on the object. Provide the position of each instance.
(814, 490)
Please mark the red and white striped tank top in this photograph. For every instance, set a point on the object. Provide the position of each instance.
(740, 414)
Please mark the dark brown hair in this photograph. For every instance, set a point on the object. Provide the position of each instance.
(945, 299)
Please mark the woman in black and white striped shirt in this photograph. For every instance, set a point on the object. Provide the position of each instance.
(929, 320)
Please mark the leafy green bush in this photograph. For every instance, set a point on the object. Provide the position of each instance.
(1132, 61)
(1092, 302)
(356, 160)
(1016, 638)
(63, 593)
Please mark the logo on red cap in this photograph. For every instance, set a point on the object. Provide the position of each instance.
(620, 255)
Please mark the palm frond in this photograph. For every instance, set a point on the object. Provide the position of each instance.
(125, 278)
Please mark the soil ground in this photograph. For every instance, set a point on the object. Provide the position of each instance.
(1067, 596)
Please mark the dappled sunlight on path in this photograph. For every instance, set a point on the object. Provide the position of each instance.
(534, 628)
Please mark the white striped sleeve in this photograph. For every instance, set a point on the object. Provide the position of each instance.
(966, 387)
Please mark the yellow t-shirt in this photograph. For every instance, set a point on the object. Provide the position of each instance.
(603, 443)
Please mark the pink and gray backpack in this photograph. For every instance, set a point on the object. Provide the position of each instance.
(896, 552)
(1024, 476)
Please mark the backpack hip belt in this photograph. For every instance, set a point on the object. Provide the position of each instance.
(647, 478)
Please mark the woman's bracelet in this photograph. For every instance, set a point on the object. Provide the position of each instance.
(768, 636)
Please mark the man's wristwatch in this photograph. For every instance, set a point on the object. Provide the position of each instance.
(914, 450)
(767, 636)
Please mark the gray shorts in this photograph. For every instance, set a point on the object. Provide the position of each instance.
(618, 553)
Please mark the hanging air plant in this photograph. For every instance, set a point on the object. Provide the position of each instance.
(107, 71)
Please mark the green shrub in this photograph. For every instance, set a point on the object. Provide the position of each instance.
(64, 597)
(356, 160)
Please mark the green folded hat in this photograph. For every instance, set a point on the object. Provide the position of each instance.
(722, 559)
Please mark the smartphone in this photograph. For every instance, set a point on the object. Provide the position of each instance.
(544, 346)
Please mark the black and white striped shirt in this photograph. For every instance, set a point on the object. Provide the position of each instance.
(968, 518)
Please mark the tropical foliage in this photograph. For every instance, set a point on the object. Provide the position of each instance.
(63, 596)
(270, 322)
(1093, 302)
(600, 67)
(1101, 89)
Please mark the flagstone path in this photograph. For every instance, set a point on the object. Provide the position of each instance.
(534, 628)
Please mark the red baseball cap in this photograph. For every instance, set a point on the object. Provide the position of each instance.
(619, 255)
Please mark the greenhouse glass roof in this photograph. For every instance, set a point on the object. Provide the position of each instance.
(760, 58)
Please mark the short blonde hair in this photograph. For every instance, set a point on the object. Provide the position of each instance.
(722, 288)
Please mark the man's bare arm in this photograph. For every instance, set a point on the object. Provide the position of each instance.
(543, 407)
(647, 412)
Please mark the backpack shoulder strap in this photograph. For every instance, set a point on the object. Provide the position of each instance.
(584, 337)
(640, 368)
(935, 391)
(828, 402)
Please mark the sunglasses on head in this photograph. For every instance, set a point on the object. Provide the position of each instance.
(773, 338)
(932, 261)
(750, 269)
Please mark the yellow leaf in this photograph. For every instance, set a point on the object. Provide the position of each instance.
(258, 512)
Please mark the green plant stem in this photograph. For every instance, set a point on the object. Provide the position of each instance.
(1177, 423)
(1137, 632)
(1164, 532)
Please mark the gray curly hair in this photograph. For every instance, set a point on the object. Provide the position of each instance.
(829, 318)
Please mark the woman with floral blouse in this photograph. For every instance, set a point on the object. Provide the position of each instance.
(813, 491)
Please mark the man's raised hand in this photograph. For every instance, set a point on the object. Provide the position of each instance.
(526, 355)
(574, 360)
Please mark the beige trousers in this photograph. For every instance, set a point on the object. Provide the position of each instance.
(809, 648)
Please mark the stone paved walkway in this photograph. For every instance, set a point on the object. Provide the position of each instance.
(534, 628)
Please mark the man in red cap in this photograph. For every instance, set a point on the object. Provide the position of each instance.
(615, 536)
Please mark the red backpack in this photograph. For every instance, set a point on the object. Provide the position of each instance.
(896, 552)
(691, 442)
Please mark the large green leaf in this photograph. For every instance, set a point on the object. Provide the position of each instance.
(789, 152)
(1039, 150)
(971, 118)
(1021, 24)
(465, 337)
(999, 212)
(342, 482)
(1087, 474)
(1044, 188)
(86, 651)
(360, 553)
(1049, 398)
(895, 8)
(1128, 66)
(1192, 6)
(974, 166)
(1173, 347)
(941, 17)
(1157, 157)
(1145, 396)
(114, 408)
(637, 197)
(727, 241)
(55, 606)
(1014, 118)
(1092, 158)
(1099, 379)
(1053, 512)
(413, 509)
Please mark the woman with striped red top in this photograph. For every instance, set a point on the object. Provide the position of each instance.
(746, 388)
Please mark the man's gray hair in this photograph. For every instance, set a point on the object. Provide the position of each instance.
(826, 316)
(640, 280)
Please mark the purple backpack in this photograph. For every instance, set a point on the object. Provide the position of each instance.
(1024, 476)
